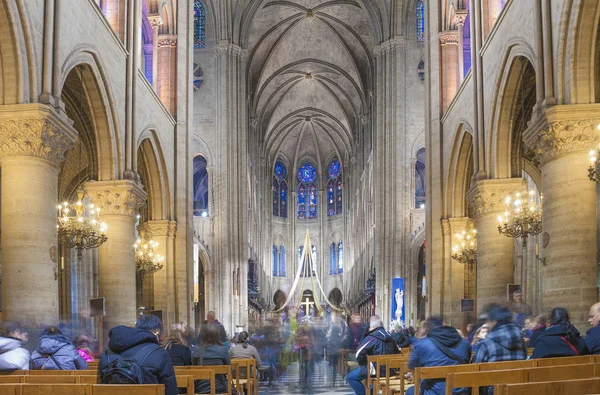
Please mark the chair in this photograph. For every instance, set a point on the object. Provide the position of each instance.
(187, 382)
(245, 367)
(128, 389)
(567, 387)
(390, 383)
(208, 372)
(377, 361)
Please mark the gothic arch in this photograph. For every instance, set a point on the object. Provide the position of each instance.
(460, 170)
(500, 156)
(100, 100)
(151, 157)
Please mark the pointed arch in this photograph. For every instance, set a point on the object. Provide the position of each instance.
(460, 173)
(201, 186)
(199, 24)
(151, 162)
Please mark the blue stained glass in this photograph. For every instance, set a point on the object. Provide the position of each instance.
(340, 258)
(281, 261)
(199, 24)
(332, 260)
(307, 173)
(275, 197)
(338, 203)
(312, 201)
(420, 21)
(200, 186)
(301, 201)
(280, 170)
(334, 169)
(283, 200)
(330, 199)
(300, 262)
(275, 263)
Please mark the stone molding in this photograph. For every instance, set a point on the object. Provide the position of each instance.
(167, 40)
(460, 17)
(458, 224)
(122, 197)
(488, 196)
(35, 130)
(159, 228)
(391, 44)
(155, 20)
(449, 37)
(563, 130)
(231, 49)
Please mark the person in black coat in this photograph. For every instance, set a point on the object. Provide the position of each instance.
(592, 336)
(178, 351)
(211, 351)
(539, 326)
(140, 343)
(560, 339)
(354, 333)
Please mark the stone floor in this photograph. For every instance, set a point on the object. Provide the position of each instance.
(321, 382)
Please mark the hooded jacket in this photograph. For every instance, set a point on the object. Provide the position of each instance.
(426, 353)
(13, 356)
(592, 340)
(56, 352)
(128, 342)
(503, 343)
(401, 340)
(376, 342)
(553, 343)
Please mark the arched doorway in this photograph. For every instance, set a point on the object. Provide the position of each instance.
(201, 262)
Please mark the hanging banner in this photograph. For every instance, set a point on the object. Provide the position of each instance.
(397, 313)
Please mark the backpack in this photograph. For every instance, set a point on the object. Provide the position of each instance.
(128, 370)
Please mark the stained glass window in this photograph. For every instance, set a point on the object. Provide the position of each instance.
(275, 263)
(280, 190)
(421, 70)
(340, 256)
(420, 21)
(313, 249)
(467, 41)
(308, 193)
(332, 259)
(198, 77)
(199, 24)
(300, 263)
(334, 188)
(282, 261)
(200, 187)
(420, 179)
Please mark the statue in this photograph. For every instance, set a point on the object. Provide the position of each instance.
(399, 303)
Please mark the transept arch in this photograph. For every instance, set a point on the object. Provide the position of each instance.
(156, 183)
(460, 173)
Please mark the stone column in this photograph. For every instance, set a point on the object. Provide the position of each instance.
(155, 22)
(119, 202)
(560, 140)
(495, 267)
(459, 20)
(455, 272)
(33, 140)
(449, 67)
(166, 54)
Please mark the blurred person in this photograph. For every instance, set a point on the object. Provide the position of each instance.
(519, 308)
(538, 326)
(304, 347)
(441, 346)
(399, 337)
(592, 336)
(176, 347)
(334, 343)
(560, 339)
(354, 333)
(243, 349)
(480, 335)
(377, 341)
(211, 319)
(470, 332)
(139, 344)
(84, 345)
(56, 352)
(13, 356)
(211, 351)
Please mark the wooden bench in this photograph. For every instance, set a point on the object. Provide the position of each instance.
(568, 387)
(379, 361)
(198, 371)
(187, 382)
(393, 384)
(245, 367)
(80, 389)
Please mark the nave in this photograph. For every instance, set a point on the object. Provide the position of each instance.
(320, 382)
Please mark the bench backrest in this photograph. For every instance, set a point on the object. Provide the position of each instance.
(216, 369)
(558, 373)
(128, 389)
(505, 365)
(187, 382)
(56, 389)
(481, 379)
(439, 372)
(11, 379)
(568, 387)
(61, 379)
(541, 362)
(10, 389)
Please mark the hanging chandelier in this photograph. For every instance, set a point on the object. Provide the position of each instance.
(594, 170)
(465, 251)
(523, 216)
(147, 259)
(79, 226)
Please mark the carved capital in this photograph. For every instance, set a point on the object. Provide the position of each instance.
(390, 45)
(460, 17)
(231, 49)
(458, 224)
(488, 196)
(446, 227)
(35, 130)
(449, 37)
(123, 197)
(167, 40)
(253, 122)
(158, 228)
(563, 130)
(155, 20)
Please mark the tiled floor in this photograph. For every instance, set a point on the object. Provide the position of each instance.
(321, 382)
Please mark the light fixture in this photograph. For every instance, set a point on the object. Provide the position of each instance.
(147, 259)
(79, 226)
(465, 250)
(422, 206)
(594, 170)
(523, 216)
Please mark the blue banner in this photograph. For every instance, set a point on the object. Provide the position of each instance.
(397, 313)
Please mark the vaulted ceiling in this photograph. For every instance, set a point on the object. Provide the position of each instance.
(310, 71)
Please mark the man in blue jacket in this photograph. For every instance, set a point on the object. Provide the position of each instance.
(442, 346)
(139, 344)
(592, 336)
(377, 341)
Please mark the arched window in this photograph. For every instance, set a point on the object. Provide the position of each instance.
(305, 272)
(200, 187)
(313, 249)
(280, 191)
(467, 40)
(281, 261)
(340, 256)
(199, 24)
(334, 188)
(332, 259)
(300, 262)
(420, 21)
(275, 262)
(308, 192)
(420, 179)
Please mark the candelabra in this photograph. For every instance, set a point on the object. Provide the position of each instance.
(465, 251)
(147, 260)
(593, 170)
(523, 216)
(78, 225)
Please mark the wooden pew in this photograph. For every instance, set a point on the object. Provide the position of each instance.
(245, 367)
(56, 389)
(197, 370)
(59, 379)
(439, 372)
(568, 387)
(187, 382)
(10, 389)
(541, 362)
(378, 361)
(394, 384)
(128, 389)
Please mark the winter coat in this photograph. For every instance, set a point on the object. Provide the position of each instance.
(353, 336)
(56, 352)
(180, 355)
(376, 342)
(401, 340)
(213, 354)
(592, 340)
(551, 343)
(238, 351)
(426, 353)
(334, 342)
(128, 344)
(503, 343)
(13, 356)
(535, 334)
(84, 354)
